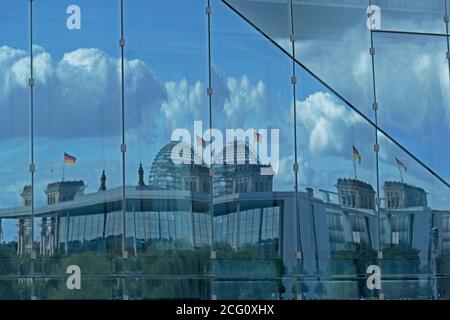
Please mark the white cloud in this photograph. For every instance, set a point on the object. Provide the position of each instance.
(235, 100)
(14, 68)
(244, 97)
(328, 125)
(184, 101)
(77, 96)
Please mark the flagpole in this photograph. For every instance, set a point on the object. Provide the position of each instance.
(400, 171)
(64, 165)
(400, 165)
(354, 166)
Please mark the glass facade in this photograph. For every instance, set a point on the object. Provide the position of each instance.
(225, 149)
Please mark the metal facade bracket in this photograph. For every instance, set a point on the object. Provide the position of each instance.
(294, 80)
(292, 38)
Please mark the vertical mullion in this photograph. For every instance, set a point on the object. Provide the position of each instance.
(446, 20)
(123, 146)
(375, 110)
(211, 169)
(299, 246)
(32, 166)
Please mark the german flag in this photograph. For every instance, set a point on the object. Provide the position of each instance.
(401, 165)
(201, 142)
(258, 137)
(68, 159)
(356, 155)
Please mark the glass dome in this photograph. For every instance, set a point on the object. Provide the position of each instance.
(236, 153)
(189, 175)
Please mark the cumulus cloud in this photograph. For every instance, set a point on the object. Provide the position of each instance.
(328, 130)
(329, 127)
(235, 102)
(244, 96)
(77, 96)
(184, 101)
(14, 66)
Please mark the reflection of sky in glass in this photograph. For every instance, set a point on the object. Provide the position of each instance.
(332, 40)
(77, 76)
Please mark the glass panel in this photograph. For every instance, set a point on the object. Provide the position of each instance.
(412, 76)
(168, 182)
(15, 183)
(412, 16)
(333, 41)
(414, 210)
(337, 187)
(272, 17)
(334, 142)
(77, 122)
(78, 164)
(253, 152)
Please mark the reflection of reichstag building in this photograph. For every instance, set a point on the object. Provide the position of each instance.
(171, 211)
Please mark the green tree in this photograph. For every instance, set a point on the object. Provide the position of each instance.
(400, 260)
(10, 265)
(352, 261)
(320, 290)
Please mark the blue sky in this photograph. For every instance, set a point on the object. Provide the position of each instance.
(78, 93)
